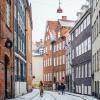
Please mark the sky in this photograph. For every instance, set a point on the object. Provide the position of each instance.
(44, 10)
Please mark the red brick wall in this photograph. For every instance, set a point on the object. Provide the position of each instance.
(29, 47)
(5, 32)
(58, 68)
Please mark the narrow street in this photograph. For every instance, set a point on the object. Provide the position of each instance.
(48, 95)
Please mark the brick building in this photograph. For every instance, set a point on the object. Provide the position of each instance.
(54, 47)
(6, 49)
(29, 46)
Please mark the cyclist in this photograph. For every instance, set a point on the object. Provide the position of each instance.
(41, 88)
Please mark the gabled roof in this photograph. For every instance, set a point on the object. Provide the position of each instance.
(67, 23)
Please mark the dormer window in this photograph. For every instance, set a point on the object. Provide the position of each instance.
(8, 4)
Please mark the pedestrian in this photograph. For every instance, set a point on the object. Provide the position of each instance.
(59, 88)
(62, 88)
(41, 88)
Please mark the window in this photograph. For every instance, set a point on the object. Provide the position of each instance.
(85, 45)
(60, 75)
(89, 90)
(82, 27)
(79, 72)
(97, 60)
(15, 67)
(77, 32)
(82, 71)
(85, 70)
(85, 89)
(15, 11)
(89, 43)
(80, 49)
(88, 20)
(57, 77)
(79, 89)
(15, 38)
(89, 69)
(97, 25)
(57, 61)
(63, 59)
(54, 62)
(85, 24)
(77, 51)
(83, 48)
(8, 2)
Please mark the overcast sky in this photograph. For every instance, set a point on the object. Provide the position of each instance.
(43, 10)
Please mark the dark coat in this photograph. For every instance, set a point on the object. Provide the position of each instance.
(62, 87)
(59, 87)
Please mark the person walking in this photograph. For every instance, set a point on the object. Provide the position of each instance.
(62, 88)
(41, 88)
(59, 88)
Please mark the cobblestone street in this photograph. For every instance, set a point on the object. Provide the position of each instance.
(49, 95)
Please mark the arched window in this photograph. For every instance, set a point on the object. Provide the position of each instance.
(8, 4)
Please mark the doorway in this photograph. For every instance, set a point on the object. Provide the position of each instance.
(6, 59)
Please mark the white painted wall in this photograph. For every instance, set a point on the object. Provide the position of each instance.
(20, 88)
(37, 66)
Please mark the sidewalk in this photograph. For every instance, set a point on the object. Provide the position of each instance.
(27, 96)
(85, 97)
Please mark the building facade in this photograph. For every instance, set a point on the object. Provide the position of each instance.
(37, 63)
(29, 46)
(81, 53)
(68, 63)
(20, 46)
(47, 56)
(54, 55)
(96, 47)
(6, 49)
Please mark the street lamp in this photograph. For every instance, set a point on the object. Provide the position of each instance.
(8, 44)
(59, 10)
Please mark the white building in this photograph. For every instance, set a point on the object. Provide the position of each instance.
(68, 62)
(96, 47)
(37, 62)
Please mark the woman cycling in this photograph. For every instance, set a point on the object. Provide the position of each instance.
(41, 88)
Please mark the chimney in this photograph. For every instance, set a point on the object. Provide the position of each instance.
(84, 8)
(64, 17)
(79, 15)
